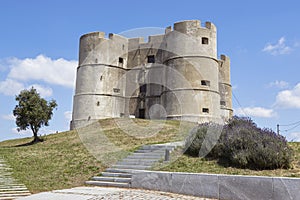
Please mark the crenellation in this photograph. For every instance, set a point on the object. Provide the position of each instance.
(168, 29)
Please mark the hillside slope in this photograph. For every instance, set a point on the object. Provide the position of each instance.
(68, 159)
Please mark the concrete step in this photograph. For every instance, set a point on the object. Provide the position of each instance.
(111, 174)
(13, 192)
(149, 151)
(2, 196)
(138, 162)
(147, 160)
(108, 184)
(131, 166)
(13, 189)
(116, 170)
(148, 154)
(111, 179)
(144, 157)
(157, 147)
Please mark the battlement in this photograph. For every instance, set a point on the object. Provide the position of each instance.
(192, 26)
(224, 57)
(93, 34)
(101, 35)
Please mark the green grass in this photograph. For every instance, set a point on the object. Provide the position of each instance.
(184, 163)
(63, 161)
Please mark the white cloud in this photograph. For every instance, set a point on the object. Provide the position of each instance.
(255, 112)
(294, 136)
(68, 116)
(11, 87)
(43, 91)
(289, 98)
(9, 117)
(279, 84)
(59, 72)
(279, 48)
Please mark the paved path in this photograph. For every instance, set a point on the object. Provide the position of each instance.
(10, 188)
(106, 193)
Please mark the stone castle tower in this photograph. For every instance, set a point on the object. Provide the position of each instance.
(176, 75)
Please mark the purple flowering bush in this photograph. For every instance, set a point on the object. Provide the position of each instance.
(244, 145)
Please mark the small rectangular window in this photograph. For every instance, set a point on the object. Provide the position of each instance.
(205, 82)
(204, 40)
(143, 88)
(223, 103)
(205, 110)
(116, 90)
(121, 61)
(151, 59)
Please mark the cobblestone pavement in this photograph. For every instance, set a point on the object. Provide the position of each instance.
(104, 193)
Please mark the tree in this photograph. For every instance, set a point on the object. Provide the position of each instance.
(33, 112)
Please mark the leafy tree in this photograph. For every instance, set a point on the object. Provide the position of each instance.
(33, 112)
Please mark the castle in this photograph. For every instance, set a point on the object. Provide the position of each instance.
(176, 75)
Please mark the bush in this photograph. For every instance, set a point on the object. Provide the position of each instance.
(242, 144)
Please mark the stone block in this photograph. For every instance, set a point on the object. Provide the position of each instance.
(245, 187)
(286, 188)
(152, 180)
(202, 185)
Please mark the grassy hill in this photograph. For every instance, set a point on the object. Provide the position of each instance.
(63, 161)
(70, 158)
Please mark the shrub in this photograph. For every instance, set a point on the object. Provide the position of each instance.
(242, 144)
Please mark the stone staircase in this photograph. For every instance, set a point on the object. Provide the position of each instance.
(9, 187)
(119, 175)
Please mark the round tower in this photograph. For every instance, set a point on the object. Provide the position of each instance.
(225, 88)
(192, 51)
(102, 62)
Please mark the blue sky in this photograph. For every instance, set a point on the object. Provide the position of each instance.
(39, 47)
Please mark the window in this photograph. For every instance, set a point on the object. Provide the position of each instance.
(98, 103)
(205, 110)
(151, 59)
(121, 61)
(223, 103)
(204, 40)
(142, 113)
(116, 90)
(101, 77)
(143, 88)
(205, 82)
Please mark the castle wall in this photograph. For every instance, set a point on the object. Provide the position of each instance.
(176, 75)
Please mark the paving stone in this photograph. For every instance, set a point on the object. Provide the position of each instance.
(103, 193)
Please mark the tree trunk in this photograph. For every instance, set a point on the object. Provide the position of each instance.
(36, 138)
